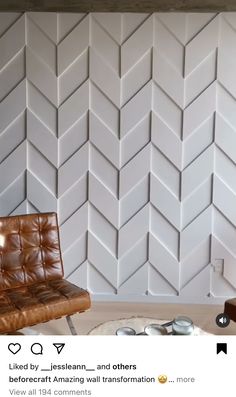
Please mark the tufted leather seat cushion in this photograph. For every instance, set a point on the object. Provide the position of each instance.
(32, 288)
(29, 250)
(33, 304)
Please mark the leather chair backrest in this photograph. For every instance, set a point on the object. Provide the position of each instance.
(29, 250)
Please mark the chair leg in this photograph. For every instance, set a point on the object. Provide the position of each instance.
(71, 325)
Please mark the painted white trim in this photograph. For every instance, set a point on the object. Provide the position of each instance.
(158, 299)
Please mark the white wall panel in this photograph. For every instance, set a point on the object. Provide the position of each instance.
(125, 125)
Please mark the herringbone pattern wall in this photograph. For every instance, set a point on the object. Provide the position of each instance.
(125, 124)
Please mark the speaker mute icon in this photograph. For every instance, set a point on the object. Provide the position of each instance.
(222, 320)
(59, 347)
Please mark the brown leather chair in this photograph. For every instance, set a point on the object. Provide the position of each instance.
(32, 287)
(230, 308)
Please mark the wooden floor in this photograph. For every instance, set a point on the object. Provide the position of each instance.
(202, 315)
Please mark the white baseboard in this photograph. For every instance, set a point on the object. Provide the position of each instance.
(159, 299)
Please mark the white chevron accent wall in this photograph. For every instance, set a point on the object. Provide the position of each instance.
(125, 125)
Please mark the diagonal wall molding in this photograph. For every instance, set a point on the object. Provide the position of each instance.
(125, 125)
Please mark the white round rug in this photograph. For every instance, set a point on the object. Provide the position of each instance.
(25, 331)
(137, 323)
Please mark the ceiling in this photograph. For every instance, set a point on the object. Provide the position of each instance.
(117, 5)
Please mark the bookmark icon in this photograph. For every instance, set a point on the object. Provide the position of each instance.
(221, 347)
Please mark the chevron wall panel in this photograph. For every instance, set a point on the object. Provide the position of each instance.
(125, 125)
(13, 146)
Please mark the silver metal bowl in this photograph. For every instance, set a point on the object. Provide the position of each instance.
(125, 331)
(155, 329)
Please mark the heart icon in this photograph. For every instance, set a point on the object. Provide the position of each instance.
(14, 347)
